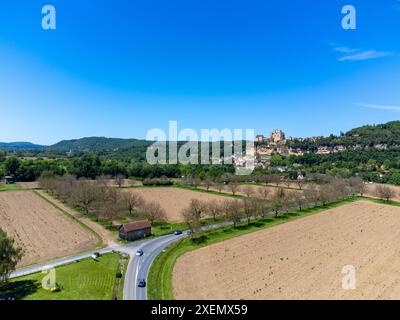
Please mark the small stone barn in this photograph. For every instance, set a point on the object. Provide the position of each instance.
(8, 180)
(135, 230)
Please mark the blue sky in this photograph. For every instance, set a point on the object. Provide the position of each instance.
(120, 68)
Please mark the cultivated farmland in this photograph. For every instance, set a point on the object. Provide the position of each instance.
(41, 229)
(174, 200)
(302, 259)
(370, 190)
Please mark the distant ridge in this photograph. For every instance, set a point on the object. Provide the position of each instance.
(98, 144)
(20, 146)
(387, 134)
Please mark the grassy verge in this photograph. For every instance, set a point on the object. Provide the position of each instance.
(83, 280)
(160, 275)
(381, 201)
(188, 187)
(119, 281)
(10, 187)
(201, 189)
(268, 185)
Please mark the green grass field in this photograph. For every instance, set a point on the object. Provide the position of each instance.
(10, 187)
(84, 280)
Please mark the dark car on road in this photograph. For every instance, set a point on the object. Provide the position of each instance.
(178, 232)
(141, 283)
(140, 252)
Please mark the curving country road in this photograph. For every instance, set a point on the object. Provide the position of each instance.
(138, 267)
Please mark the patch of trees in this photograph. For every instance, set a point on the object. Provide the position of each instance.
(366, 136)
(96, 198)
(374, 165)
(385, 192)
(163, 181)
(10, 255)
(262, 202)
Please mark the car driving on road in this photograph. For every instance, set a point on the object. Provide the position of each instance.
(139, 252)
(178, 232)
(141, 283)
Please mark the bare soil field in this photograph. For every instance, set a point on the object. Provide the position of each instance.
(302, 259)
(174, 200)
(106, 236)
(29, 185)
(370, 190)
(241, 190)
(42, 230)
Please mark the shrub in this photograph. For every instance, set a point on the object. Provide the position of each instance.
(157, 182)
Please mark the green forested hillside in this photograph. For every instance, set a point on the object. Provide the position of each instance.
(98, 144)
(367, 136)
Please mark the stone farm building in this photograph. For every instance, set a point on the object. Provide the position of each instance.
(135, 230)
(8, 180)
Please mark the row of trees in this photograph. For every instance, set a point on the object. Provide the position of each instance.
(260, 202)
(97, 198)
(385, 192)
(233, 183)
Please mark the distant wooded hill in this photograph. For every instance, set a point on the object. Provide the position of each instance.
(20, 146)
(370, 135)
(98, 144)
(387, 134)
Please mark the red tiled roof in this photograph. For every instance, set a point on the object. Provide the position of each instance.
(136, 225)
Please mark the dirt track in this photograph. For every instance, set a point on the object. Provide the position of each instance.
(174, 200)
(43, 231)
(302, 259)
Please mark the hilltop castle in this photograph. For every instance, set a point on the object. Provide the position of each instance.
(275, 137)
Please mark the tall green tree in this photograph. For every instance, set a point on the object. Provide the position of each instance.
(10, 255)
(2, 156)
(11, 165)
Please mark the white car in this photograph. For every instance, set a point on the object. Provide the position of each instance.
(139, 252)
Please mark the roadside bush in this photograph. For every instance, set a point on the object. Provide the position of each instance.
(157, 182)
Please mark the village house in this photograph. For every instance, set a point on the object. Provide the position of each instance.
(323, 150)
(380, 146)
(260, 138)
(135, 230)
(339, 148)
(296, 152)
(264, 150)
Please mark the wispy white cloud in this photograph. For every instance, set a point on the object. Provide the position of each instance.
(378, 106)
(345, 50)
(365, 55)
(353, 54)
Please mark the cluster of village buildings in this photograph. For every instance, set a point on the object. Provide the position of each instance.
(277, 143)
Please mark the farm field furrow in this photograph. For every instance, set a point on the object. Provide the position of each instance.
(174, 200)
(302, 259)
(42, 230)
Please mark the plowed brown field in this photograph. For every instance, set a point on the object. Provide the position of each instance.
(174, 200)
(302, 259)
(42, 230)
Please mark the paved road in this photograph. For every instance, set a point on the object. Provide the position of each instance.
(56, 263)
(139, 266)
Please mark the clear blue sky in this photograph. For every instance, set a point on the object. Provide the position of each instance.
(120, 68)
